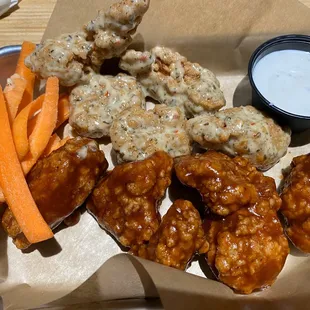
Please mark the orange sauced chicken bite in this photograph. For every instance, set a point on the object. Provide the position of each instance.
(248, 248)
(225, 184)
(179, 237)
(60, 183)
(296, 202)
(125, 202)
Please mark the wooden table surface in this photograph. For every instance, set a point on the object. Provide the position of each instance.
(29, 19)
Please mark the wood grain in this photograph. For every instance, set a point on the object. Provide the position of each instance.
(28, 21)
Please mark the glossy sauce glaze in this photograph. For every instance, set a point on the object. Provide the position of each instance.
(296, 202)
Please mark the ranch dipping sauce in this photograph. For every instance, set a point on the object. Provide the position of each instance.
(283, 78)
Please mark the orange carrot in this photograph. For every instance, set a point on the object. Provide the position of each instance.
(63, 114)
(14, 185)
(13, 94)
(20, 126)
(45, 125)
(52, 145)
(63, 110)
(23, 71)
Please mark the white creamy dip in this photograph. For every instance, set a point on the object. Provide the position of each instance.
(283, 78)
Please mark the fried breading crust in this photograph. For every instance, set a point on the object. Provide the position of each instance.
(138, 133)
(60, 183)
(171, 79)
(125, 202)
(296, 202)
(70, 56)
(242, 131)
(95, 105)
(178, 238)
(225, 184)
(248, 248)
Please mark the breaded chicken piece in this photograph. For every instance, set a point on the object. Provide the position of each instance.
(137, 133)
(70, 56)
(60, 183)
(171, 79)
(242, 131)
(179, 237)
(65, 57)
(125, 202)
(97, 103)
(225, 184)
(248, 248)
(296, 203)
(112, 31)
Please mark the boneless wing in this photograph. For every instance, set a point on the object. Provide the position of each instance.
(137, 133)
(179, 237)
(242, 131)
(225, 184)
(171, 79)
(60, 183)
(248, 248)
(95, 105)
(70, 56)
(125, 202)
(296, 202)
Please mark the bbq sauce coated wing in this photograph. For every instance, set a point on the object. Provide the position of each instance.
(125, 201)
(296, 203)
(225, 184)
(247, 249)
(179, 237)
(60, 183)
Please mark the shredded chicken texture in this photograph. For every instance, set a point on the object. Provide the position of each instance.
(138, 133)
(179, 237)
(242, 131)
(225, 184)
(60, 183)
(95, 104)
(125, 202)
(171, 79)
(296, 203)
(70, 56)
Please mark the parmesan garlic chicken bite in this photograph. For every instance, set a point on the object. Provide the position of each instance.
(242, 131)
(137, 133)
(60, 183)
(179, 237)
(69, 56)
(95, 104)
(171, 79)
(248, 248)
(125, 202)
(296, 203)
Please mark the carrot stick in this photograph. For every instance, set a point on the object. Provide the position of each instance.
(52, 145)
(63, 114)
(14, 185)
(45, 125)
(23, 71)
(20, 126)
(13, 94)
(63, 110)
